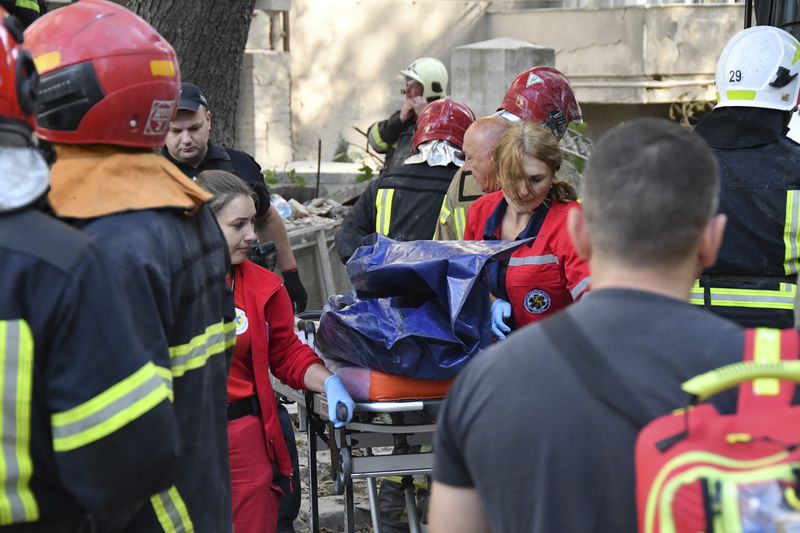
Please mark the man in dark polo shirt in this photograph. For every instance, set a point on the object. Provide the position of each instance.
(189, 148)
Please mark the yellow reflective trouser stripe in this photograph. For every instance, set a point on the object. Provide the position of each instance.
(376, 141)
(194, 354)
(783, 298)
(767, 349)
(17, 503)
(383, 210)
(791, 233)
(171, 511)
(28, 4)
(110, 410)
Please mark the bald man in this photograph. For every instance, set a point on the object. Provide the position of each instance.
(477, 177)
(474, 179)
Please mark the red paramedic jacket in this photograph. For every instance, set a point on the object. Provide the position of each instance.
(274, 346)
(542, 277)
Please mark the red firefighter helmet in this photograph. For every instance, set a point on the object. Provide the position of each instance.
(543, 94)
(107, 77)
(18, 78)
(444, 120)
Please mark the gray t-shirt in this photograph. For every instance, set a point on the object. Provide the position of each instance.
(543, 453)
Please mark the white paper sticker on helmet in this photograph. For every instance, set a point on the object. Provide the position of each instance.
(533, 79)
(160, 115)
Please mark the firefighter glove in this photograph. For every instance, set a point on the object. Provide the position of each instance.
(297, 293)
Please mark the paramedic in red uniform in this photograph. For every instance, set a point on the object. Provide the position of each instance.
(265, 341)
(547, 275)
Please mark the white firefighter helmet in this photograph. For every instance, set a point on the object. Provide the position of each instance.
(431, 73)
(759, 68)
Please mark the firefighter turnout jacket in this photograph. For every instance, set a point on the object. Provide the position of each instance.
(403, 205)
(86, 419)
(394, 138)
(754, 281)
(165, 247)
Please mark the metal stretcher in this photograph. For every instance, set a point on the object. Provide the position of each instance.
(352, 448)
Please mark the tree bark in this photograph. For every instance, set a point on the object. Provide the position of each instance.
(209, 37)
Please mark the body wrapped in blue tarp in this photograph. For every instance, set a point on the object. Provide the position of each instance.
(418, 309)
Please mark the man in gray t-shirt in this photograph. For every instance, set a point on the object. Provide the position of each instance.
(522, 445)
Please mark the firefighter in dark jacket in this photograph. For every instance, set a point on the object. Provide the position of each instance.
(82, 401)
(109, 87)
(754, 279)
(404, 204)
(426, 82)
(187, 145)
(26, 11)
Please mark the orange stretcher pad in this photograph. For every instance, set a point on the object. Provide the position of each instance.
(367, 384)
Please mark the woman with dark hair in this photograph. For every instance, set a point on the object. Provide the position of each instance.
(265, 341)
(547, 274)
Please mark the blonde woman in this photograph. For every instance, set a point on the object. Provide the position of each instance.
(546, 275)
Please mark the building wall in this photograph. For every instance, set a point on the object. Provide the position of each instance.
(631, 55)
(346, 55)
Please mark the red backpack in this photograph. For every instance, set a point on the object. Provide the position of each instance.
(700, 471)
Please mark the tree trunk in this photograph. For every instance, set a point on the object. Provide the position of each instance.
(209, 37)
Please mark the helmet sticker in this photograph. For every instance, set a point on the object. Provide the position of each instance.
(533, 79)
(160, 115)
(241, 321)
(537, 301)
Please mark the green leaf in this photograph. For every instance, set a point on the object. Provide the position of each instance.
(366, 173)
(297, 179)
(270, 177)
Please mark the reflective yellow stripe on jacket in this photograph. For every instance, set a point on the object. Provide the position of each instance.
(455, 219)
(783, 298)
(376, 140)
(110, 410)
(383, 210)
(171, 511)
(28, 4)
(791, 233)
(17, 503)
(194, 354)
(460, 220)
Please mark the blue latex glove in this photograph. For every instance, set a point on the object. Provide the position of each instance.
(501, 310)
(336, 393)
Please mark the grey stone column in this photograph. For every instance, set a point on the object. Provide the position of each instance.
(481, 72)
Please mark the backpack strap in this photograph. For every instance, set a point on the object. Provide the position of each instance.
(766, 345)
(586, 362)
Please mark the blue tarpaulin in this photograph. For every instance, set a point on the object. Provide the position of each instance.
(418, 309)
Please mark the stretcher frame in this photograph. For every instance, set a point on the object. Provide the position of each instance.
(364, 435)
